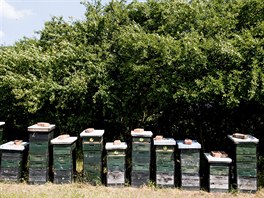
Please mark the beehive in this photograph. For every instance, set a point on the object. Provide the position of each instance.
(40, 152)
(1, 131)
(12, 160)
(218, 173)
(141, 150)
(189, 158)
(116, 168)
(64, 159)
(165, 162)
(245, 163)
(92, 144)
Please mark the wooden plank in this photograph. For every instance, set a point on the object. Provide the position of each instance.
(166, 167)
(87, 146)
(94, 139)
(115, 177)
(219, 170)
(218, 182)
(35, 136)
(246, 158)
(247, 183)
(246, 149)
(140, 166)
(190, 169)
(141, 139)
(165, 178)
(141, 147)
(190, 180)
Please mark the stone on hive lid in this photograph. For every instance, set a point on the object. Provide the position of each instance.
(2, 123)
(91, 132)
(212, 159)
(139, 132)
(12, 146)
(194, 145)
(249, 139)
(160, 140)
(41, 127)
(63, 139)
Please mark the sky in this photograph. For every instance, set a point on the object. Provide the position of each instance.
(22, 18)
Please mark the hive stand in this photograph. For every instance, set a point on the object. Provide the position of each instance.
(92, 146)
(165, 162)
(40, 153)
(218, 173)
(245, 163)
(189, 157)
(141, 150)
(116, 167)
(64, 159)
(12, 162)
(1, 131)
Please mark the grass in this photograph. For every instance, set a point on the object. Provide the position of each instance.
(85, 190)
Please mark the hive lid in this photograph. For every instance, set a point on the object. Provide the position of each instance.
(141, 133)
(165, 141)
(212, 159)
(61, 140)
(12, 146)
(94, 133)
(37, 128)
(2, 123)
(250, 139)
(194, 145)
(111, 146)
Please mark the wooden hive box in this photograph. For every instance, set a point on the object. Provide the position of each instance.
(64, 158)
(165, 162)
(116, 167)
(40, 152)
(245, 163)
(218, 173)
(12, 160)
(92, 144)
(189, 158)
(1, 131)
(141, 157)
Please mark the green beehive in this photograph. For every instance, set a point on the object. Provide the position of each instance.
(141, 150)
(189, 158)
(12, 160)
(64, 158)
(116, 167)
(218, 173)
(245, 162)
(92, 146)
(165, 161)
(40, 152)
(1, 131)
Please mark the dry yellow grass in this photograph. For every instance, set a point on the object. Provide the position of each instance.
(84, 190)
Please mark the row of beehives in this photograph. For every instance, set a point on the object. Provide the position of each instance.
(62, 161)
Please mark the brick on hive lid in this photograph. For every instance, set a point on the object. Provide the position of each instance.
(18, 142)
(43, 124)
(158, 137)
(138, 130)
(63, 137)
(188, 141)
(117, 142)
(89, 130)
(240, 136)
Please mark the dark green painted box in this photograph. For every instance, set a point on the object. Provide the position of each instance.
(13, 160)
(245, 163)
(141, 157)
(165, 162)
(188, 156)
(116, 163)
(64, 159)
(92, 147)
(218, 173)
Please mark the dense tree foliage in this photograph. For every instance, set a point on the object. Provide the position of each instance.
(177, 67)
